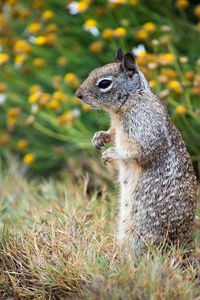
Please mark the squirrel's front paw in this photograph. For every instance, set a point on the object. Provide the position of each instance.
(109, 155)
(100, 138)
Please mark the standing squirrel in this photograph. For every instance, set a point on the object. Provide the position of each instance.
(157, 180)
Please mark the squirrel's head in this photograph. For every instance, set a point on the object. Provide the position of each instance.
(108, 87)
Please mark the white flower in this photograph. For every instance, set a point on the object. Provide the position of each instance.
(92, 30)
(76, 112)
(2, 98)
(73, 8)
(137, 50)
(117, 1)
(155, 42)
(34, 108)
(17, 65)
(32, 39)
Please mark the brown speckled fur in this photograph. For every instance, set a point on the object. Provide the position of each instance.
(157, 181)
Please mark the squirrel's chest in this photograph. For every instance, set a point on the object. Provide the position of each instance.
(129, 170)
(122, 142)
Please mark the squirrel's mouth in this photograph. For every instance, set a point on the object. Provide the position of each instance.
(80, 95)
(92, 105)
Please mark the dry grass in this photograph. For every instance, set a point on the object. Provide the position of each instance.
(57, 242)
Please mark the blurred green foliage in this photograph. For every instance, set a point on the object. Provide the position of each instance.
(46, 51)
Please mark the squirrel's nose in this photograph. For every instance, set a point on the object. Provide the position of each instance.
(79, 93)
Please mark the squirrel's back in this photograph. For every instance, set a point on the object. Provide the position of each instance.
(165, 194)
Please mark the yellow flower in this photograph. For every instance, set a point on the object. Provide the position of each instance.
(197, 11)
(13, 112)
(47, 14)
(62, 119)
(22, 46)
(82, 5)
(3, 58)
(141, 61)
(166, 59)
(180, 110)
(56, 81)
(35, 89)
(29, 158)
(171, 74)
(11, 2)
(70, 77)
(165, 39)
(120, 1)
(70, 116)
(40, 40)
(62, 60)
(141, 34)
(3, 87)
(54, 104)
(196, 91)
(152, 84)
(11, 121)
(149, 26)
(162, 79)
(90, 23)
(173, 85)
(38, 62)
(108, 34)
(112, 4)
(189, 75)
(44, 99)
(87, 1)
(38, 4)
(182, 4)
(142, 53)
(58, 95)
(72, 80)
(3, 22)
(33, 97)
(22, 145)
(85, 107)
(50, 38)
(51, 28)
(96, 47)
(19, 59)
(33, 28)
(179, 90)
(4, 139)
(169, 56)
(120, 32)
(133, 2)
(23, 14)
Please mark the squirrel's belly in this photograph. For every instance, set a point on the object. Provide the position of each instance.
(129, 174)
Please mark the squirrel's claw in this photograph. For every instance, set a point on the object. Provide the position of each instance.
(98, 147)
(99, 139)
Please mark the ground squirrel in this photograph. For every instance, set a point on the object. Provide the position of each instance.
(157, 180)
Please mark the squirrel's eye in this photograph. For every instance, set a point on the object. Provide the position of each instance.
(103, 84)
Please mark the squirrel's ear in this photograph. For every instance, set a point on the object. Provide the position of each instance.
(119, 55)
(129, 63)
